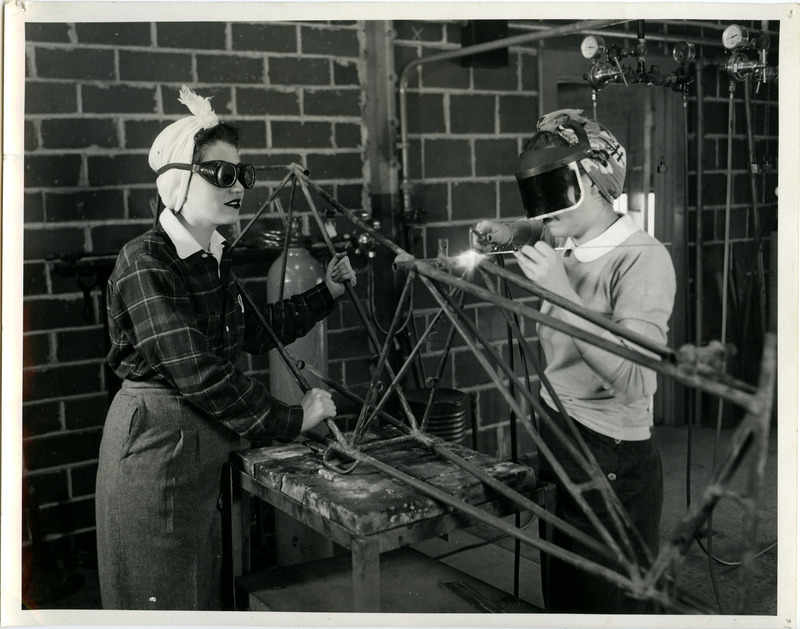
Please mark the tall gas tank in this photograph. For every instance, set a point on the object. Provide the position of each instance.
(303, 271)
(295, 543)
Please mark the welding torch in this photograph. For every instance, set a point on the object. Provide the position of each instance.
(484, 240)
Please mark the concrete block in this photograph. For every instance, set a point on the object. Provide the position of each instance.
(94, 64)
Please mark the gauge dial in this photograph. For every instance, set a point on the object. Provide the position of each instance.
(683, 52)
(592, 47)
(735, 36)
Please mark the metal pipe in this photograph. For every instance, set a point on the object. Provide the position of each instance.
(448, 344)
(656, 37)
(741, 441)
(609, 496)
(698, 225)
(755, 482)
(644, 342)
(384, 354)
(405, 367)
(460, 322)
(290, 363)
(287, 238)
(727, 392)
(760, 277)
(305, 184)
(258, 214)
(498, 523)
(557, 31)
(436, 445)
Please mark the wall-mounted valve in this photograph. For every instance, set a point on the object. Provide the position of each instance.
(738, 40)
(607, 67)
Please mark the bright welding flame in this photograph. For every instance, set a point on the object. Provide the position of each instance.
(470, 259)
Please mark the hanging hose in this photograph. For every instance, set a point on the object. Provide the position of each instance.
(712, 559)
(725, 272)
(513, 421)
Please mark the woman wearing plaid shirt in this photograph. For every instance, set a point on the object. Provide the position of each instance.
(178, 325)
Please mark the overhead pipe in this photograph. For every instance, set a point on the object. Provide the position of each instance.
(558, 31)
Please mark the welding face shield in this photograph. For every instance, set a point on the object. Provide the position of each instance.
(550, 179)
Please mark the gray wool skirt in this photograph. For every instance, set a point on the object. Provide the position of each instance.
(159, 541)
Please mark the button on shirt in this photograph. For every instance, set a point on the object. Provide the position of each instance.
(176, 318)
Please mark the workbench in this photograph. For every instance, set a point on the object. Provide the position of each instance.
(365, 511)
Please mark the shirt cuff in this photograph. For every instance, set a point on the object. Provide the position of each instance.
(330, 302)
(288, 419)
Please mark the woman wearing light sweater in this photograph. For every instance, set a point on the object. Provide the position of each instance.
(570, 173)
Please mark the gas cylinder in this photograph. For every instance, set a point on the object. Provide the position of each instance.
(295, 542)
(303, 271)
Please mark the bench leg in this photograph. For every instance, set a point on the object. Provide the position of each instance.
(366, 576)
(235, 537)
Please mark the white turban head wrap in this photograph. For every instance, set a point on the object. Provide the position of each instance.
(176, 144)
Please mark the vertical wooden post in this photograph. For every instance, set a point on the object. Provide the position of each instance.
(366, 575)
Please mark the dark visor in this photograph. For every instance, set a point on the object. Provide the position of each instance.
(549, 192)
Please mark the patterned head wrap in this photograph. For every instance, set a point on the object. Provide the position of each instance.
(176, 144)
(606, 166)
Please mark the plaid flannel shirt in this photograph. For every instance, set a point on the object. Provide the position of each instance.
(182, 323)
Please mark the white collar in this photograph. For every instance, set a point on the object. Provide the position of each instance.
(618, 232)
(186, 244)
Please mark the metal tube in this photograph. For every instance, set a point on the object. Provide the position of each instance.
(760, 437)
(557, 31)
(741, 441)
(456, 317)
(520, 500)
(305, 183)
(724, 391)
(482, 516)
(263, 207)
(384, 355)
(287, 237)
(612, 500)
(760, 276)
(403, 263)
(448, 344)
(405, 367)
(287, 359)
(698, 225)
(351, 216)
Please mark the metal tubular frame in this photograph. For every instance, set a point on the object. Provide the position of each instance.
(642, 581)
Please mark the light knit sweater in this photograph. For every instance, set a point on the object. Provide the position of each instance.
(627, 275)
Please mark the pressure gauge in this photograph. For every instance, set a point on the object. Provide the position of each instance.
(592, 47)
(683, 52)
(735, 36)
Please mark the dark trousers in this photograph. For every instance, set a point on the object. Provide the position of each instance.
(634, 472)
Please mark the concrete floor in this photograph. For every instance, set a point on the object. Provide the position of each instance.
(493, 563)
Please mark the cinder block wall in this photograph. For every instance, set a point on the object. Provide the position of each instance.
(96, 96)
(466, 127)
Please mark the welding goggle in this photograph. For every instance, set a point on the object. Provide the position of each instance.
(546, 177)
(219, 173)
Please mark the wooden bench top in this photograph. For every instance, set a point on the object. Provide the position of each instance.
(367, 501)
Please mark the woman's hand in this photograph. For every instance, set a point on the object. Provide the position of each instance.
(337, 273)
(541, 264)
(487, 234)
(317, 405)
